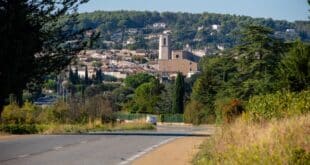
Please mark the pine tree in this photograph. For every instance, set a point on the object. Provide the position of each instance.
(33, 42)
(178, 98)
(295, 68)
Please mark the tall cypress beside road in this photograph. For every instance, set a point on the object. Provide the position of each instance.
(178, 97)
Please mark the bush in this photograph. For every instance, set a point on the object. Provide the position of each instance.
(60, 112)
(278, 105)
(227, 110)
(100, 107)
(27, 114)
(172, 118)
(194, 113)
(12, 114)
(21, 128)
(45, 116)
(31, 112)
(300, 156)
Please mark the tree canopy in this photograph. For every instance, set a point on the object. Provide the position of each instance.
(186, 28)
(136, 80)
(34, 42)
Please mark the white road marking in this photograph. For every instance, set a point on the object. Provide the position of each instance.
(58, 148)
(23, 156)
(146, 151)
(83, 142)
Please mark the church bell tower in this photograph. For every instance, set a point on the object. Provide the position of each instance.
(164, 47)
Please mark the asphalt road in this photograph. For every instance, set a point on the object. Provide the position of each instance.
(97, 148)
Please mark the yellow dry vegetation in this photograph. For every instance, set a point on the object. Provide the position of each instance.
(282, 141)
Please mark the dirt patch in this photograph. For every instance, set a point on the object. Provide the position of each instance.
(178, 152)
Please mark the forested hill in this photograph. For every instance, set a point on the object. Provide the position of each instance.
(117, 27)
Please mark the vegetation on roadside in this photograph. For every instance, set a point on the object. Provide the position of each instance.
(260, 65)
(260, 95)
(283, 141)
(72, 128)
(273, 129)
(72, 117)
(276, 106)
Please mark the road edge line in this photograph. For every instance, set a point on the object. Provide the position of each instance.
(127, 161)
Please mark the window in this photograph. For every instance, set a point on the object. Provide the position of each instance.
(177, 56)
(165, 41)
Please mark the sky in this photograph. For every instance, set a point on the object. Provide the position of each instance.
(290, 10)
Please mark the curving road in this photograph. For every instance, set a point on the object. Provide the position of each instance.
(95, 148)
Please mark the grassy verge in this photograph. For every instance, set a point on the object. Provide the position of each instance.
(71, 128)
(283, 141)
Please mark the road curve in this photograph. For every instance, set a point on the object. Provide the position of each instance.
(75, 149)
(94, 148)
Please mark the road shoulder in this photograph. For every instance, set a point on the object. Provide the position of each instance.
(178, 152)
(7, 137)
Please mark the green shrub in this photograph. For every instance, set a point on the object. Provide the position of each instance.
(161, 118)
(31, 112)
(60, 112)
(21, 128)
(12, 114)
(172, 118)
(278, 105)
(44, 116)
(100, 107)
(300, 157)
(194, 113)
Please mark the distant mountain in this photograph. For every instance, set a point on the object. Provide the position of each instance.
(139, 30)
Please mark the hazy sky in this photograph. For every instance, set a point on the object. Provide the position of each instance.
(290, 10)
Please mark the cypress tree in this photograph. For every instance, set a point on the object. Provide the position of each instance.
(76, 76)
(100, 76)
(71, 76)
(178, 96)
(86, 75)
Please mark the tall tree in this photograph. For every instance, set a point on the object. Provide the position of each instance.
(86, 79)
(71, 76)
(166, 99)
(76, 75)
(295, 67)
(98, 76)
(33, 42)
(178, 97)
(258, 54)
(146, 97)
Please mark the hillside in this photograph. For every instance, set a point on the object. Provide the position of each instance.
(137, 30)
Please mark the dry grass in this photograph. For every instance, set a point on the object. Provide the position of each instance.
(285, 141)
(70, 128)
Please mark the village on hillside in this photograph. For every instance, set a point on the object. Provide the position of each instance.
(119, 63)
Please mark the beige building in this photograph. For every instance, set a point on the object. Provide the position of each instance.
(186, 67)
(171, 62)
